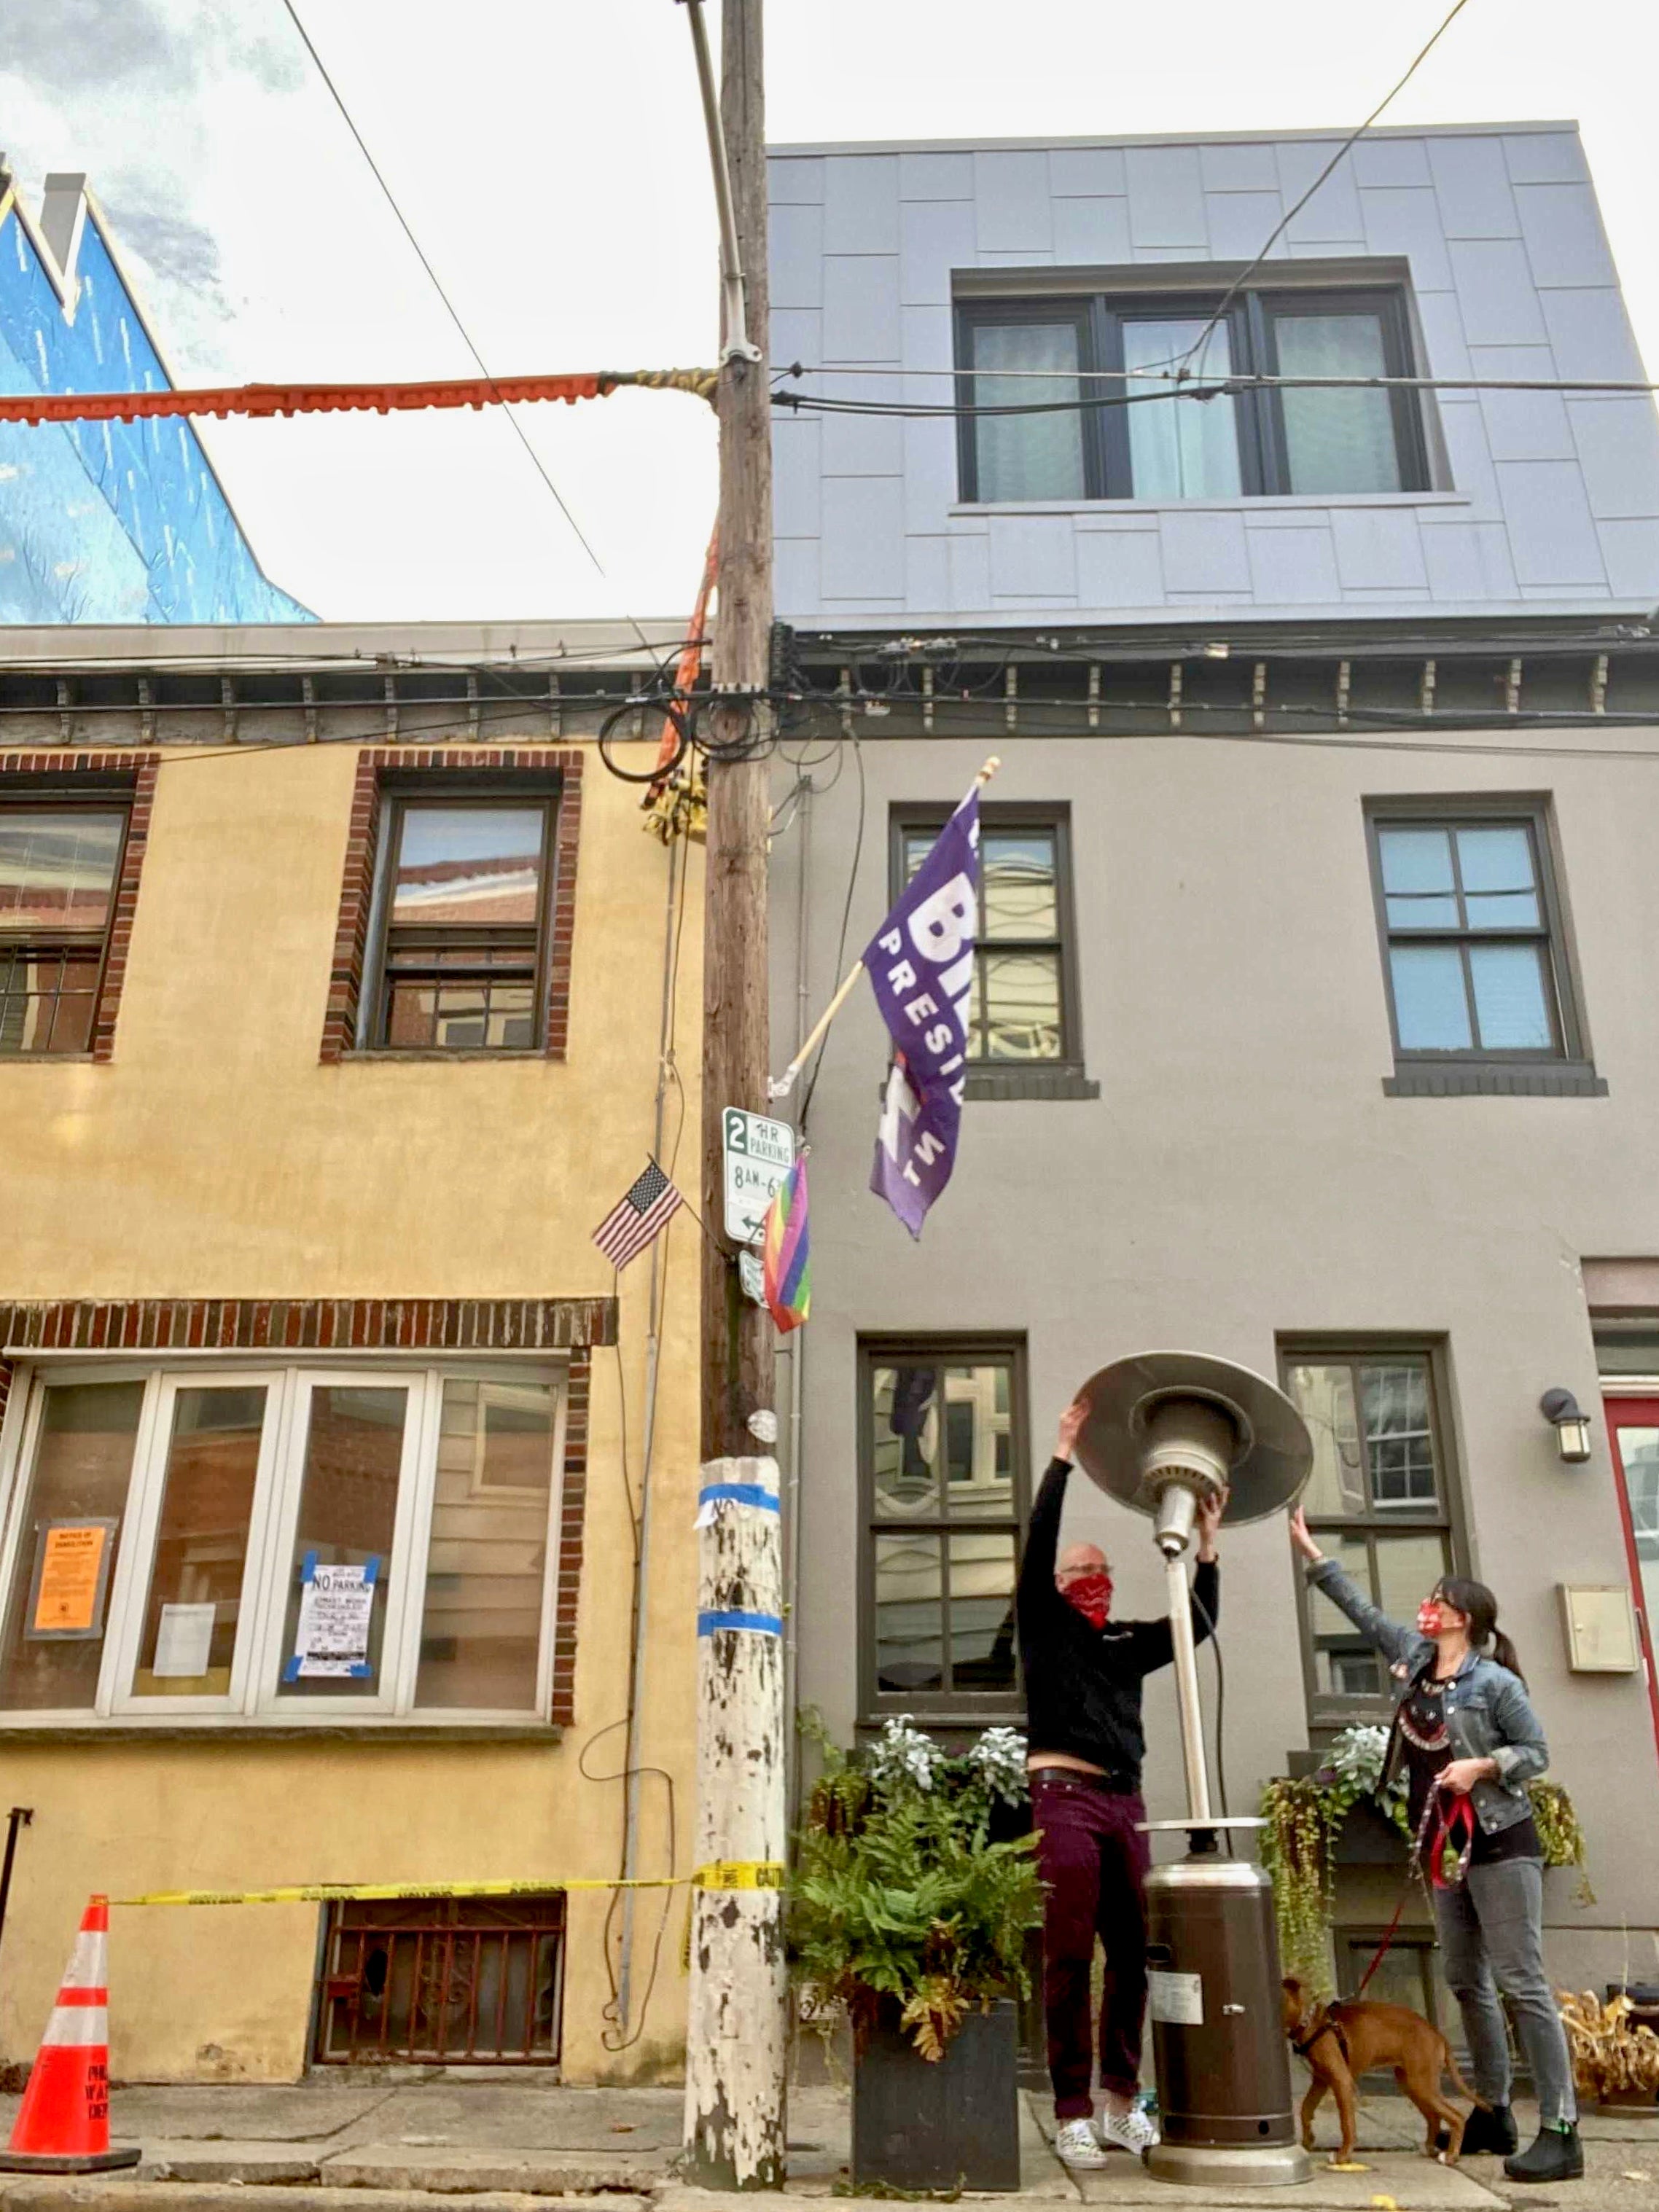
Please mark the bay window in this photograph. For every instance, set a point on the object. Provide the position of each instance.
(280, 1544)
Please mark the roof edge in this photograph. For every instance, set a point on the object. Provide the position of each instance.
(793, 151)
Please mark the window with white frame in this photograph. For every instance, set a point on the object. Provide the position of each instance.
(282, 1543)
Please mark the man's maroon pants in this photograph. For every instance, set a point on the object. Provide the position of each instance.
(1093, 1861)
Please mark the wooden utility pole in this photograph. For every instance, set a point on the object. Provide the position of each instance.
(737, 1335)
(736, 2029)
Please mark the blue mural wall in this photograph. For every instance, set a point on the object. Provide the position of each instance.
(107, 522)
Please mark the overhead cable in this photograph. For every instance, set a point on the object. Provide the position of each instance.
(450, 308)
(1238, 379)
(349, 399)
(1222, 387)
(1290, 214)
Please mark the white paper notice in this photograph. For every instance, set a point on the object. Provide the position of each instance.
(184, 1641)
(1177, 2000)
(337, 1605)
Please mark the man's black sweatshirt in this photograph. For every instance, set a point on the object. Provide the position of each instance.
(1083, 1684)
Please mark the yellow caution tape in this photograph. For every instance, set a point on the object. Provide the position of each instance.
(721, 1873)
(741, 1874)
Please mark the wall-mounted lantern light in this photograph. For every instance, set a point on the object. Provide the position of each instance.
(1572, 1428)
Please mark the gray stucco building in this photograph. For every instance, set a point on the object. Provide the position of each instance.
(1315, 1006)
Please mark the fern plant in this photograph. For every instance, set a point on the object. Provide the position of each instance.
(903, 1901)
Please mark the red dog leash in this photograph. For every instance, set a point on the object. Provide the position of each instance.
(1455, 1827)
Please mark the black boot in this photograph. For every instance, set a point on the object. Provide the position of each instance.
(1493, 2130)
(1557, 2155)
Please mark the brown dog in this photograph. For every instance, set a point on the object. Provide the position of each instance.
(1341, 2041)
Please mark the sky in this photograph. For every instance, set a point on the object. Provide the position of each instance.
(550, 157)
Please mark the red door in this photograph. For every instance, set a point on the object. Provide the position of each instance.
(1633, 1434)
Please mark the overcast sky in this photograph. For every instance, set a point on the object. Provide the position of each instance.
(549, 154)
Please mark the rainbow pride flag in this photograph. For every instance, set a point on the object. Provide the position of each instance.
(786, 1251)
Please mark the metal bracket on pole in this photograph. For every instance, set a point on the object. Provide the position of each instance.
(736, 344)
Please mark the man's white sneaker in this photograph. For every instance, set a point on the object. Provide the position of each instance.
(1075, 2143)
(1131, 2132)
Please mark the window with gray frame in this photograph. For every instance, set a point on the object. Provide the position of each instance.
(461, 920)
(60, 861)
(1474, 943)
(1023, 1014)
(1380, 1501)
(943, 1453)
(1229, 444)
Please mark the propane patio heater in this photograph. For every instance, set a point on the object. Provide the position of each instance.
(1163, 1429)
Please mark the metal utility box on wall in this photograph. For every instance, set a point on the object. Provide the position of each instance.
(1599, 1628)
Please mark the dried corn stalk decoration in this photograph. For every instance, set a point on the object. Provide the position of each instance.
(1612, 2055)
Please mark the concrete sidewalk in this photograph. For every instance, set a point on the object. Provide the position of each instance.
(518, 2143)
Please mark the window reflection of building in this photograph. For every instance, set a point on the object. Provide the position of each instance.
(946, 1526)
(1377, 1501)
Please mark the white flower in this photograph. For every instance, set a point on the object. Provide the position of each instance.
(905, 1753)
(1356, 1755)
(999, 1757)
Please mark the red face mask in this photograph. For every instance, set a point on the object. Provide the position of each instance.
(1091, 1597)
(1431, 1620)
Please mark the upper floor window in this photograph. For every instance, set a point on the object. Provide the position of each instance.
(60, 861)
(1022, 1009)
(1473, 938)
(944, 1451)
(464, 909)
(284, 1543)
(1251, 443)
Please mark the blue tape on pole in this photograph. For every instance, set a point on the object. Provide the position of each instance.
(740, 1493)
(760, 1624)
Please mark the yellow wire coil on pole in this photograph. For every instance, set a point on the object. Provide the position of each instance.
(722, 1874)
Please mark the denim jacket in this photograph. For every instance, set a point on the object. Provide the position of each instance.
(1488, 1715)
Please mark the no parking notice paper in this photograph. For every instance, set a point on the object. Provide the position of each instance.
(336, 1610)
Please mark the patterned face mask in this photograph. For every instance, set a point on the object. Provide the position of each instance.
(1431, 1619)
(1090, 1595)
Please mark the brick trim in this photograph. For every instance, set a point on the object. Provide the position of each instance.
(138, 775)
(572, 1515)
(307, 1324)
(574, 1325)
(345, 981)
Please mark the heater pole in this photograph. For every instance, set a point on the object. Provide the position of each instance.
(1186, 1675)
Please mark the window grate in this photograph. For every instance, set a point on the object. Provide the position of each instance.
(442, 1981)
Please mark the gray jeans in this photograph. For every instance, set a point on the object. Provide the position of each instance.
(1492, 1938)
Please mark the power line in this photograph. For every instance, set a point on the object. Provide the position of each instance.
(1287, 220)
(1225, 388)
(536, 461)
(1239, 379)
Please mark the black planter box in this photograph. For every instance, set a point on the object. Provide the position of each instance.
(917, 2124)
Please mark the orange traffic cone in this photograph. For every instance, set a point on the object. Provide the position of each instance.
(63, 2124)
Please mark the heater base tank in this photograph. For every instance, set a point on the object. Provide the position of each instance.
(1223, 2070)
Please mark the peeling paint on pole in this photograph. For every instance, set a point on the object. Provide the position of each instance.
(737, 2026)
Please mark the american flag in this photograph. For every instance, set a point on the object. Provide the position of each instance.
(642, 1213)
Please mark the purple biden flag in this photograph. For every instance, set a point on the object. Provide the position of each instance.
(921, 964)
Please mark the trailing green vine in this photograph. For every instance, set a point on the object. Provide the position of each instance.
(1557, 1820)
(1304, 1814)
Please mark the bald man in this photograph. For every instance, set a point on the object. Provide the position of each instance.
(1083, 1675)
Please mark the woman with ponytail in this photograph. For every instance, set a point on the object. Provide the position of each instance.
(1468, 1742)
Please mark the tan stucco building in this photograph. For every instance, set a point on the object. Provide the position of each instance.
(340, 994)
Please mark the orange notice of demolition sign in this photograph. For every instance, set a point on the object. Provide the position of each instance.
(69, 1589)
